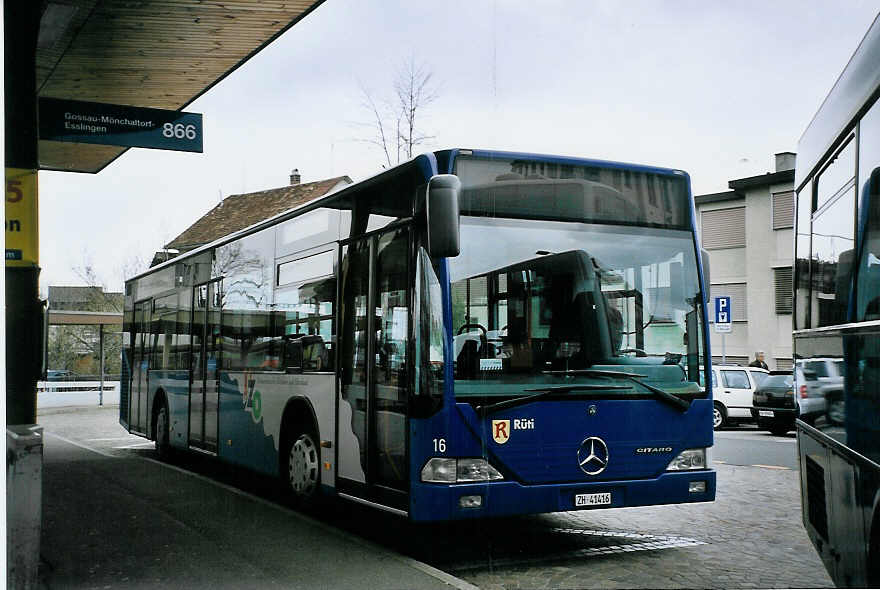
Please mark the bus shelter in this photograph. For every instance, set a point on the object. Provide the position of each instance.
(102, 319)
(156, 56)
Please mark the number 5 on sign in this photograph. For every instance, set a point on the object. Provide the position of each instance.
(22, 237)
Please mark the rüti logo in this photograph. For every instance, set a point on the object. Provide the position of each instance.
(500, 431)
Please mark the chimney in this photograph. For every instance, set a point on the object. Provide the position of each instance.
(295, 177)
(785, 161)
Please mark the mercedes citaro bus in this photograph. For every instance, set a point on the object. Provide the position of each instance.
(468, 334)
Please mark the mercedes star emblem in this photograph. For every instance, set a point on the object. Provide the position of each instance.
(592, 456)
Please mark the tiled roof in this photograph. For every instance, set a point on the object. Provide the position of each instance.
(237, 212)
(84, 298)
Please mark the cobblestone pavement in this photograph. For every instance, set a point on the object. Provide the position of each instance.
(750, 537)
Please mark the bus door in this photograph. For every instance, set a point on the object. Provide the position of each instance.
(374, 367)
(137, 407)
(204, 390)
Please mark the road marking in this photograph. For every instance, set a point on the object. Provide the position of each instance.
(755, 436)
(78, 444)
(647, 543)
(148, 443)
(720, 462)
(413, 563)
(773, 467)
(129, 437)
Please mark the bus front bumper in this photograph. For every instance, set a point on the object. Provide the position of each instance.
(436, 502)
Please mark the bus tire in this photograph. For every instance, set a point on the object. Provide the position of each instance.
(719, 415)
(163, 430)
(301, 467)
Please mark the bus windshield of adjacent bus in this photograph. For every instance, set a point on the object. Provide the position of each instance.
(565, 268)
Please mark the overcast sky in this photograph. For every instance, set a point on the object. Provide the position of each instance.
(711, 87)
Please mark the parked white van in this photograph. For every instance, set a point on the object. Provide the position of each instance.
(732, 389)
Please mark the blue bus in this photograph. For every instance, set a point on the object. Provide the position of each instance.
(837, 321)
(469, 334)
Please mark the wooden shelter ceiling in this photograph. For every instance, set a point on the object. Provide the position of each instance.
(147, 53)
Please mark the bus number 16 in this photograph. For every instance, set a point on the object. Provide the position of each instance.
(439, 445)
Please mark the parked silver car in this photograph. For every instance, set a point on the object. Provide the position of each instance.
(818, 381)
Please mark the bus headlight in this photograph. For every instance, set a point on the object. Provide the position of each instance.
(688, 460)
(443, 470)
(476, 470)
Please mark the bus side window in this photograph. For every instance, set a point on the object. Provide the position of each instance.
(869, 265)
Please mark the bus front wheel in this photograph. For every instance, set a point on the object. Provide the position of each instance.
(302, 468)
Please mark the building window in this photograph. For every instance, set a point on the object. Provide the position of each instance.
(783, 288)
(724, 228)
(730, 359)
(783, 210)
(652, 194)
(784, 364)
(831, 259)
(737, 294)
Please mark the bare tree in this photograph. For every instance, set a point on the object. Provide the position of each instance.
(415, 92)
(396, 122)
(76, 347)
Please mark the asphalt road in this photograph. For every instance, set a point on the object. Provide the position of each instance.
(729, 543)
(748, 446)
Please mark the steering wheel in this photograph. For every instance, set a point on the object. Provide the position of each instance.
(636, 351)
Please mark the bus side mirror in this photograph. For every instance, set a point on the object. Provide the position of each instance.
(442, 215)
(704, 256)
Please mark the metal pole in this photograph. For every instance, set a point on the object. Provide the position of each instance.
(101, 346)
(723, 348)
(23, 306)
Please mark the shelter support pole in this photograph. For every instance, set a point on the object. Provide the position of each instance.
(101, 345)
(23, 306)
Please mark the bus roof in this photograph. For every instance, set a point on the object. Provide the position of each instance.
(555, 159)
(857, 83)
(430, 163)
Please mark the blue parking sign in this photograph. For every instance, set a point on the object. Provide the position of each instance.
(722, 310)
(722, 314)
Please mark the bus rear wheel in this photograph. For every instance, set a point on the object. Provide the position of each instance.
(163, 439)
(302, 468)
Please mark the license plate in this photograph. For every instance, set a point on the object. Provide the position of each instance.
(765, 413)
(592, 499)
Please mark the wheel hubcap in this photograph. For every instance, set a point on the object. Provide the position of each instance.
(303, 466)
(716, 417)
(161, 429)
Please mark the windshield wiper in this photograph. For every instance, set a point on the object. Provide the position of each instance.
(546, 392)
(665, 396)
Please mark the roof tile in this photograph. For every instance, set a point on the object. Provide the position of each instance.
(237, 212)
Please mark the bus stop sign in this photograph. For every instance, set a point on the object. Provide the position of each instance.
(111, 124)
(722, 315)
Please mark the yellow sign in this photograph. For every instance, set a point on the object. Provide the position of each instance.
(22, 235)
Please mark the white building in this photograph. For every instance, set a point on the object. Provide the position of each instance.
(748, 232)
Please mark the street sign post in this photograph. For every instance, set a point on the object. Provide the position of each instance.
(723, 318)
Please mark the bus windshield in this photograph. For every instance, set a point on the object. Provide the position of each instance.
(536, 300)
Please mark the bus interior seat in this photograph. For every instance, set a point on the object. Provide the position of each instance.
(468, 362)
